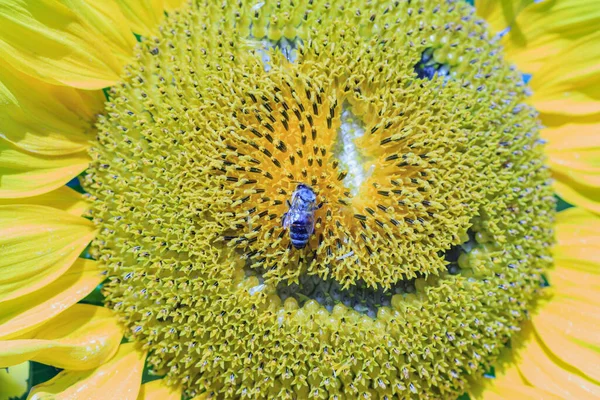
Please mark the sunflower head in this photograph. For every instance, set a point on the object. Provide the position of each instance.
(433, 209)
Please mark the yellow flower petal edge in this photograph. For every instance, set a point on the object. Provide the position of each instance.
(568, 324)
(575, 226)
(144, 15)
(63, 198)
(576, 255)
(521, 392)
(38, 245)
(500, 14)
(120, 378)
(573, 87)
(172, 4)
(25, 174)
(542, 30)
(541, 369)
(107, 23)
(556, 355)
(65, 42)
(158, 390)
(13, 381)
(507, 383)
(25, 313)
(82, 337)
(580, 194)
(45, 119)
(574, 156)
(569, 330)
(583, 121)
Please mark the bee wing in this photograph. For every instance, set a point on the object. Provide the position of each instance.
(289, 218)
(295, 203)
(311, 223)
(284, 221)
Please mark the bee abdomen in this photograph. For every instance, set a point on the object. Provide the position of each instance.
(299, 243)
(299, 236)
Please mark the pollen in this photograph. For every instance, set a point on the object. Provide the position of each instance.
(434, 207)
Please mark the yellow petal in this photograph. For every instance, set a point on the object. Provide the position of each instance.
(578, 239)
(500, 14)
(83, 337)
(543, 370)
(63, 198)
(579, 276)
(507, 383)
(25, 313)
(569, 83)
(107, 23)
(574, 156)
(13, 381)
(582, 195)
(569, 329)
(120, 377)
(574, 150)
(158, 390)
(173, 4)
(45, 119)
(143, 15)
(577, 234)
(38, 245)
(576, 258)
(520, 392)
(65, 42)
(568, 324)
(24, 174)
(543, 29)
(556, 120)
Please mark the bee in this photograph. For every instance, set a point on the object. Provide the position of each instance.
(300, 217)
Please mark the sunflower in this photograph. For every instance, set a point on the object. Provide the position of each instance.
(312, 199)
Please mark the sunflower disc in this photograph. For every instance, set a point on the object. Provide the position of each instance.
(434, 214)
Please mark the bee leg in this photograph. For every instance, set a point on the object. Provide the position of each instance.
(283, 219)
(289, 204)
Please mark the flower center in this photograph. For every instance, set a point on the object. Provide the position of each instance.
(288, 48)
(327, 199)
(349, 154)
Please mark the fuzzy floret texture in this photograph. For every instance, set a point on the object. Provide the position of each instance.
(201, 147)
